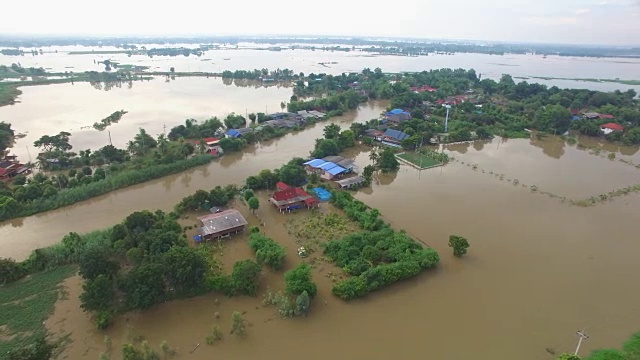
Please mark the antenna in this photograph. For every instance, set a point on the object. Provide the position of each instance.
(583, 336)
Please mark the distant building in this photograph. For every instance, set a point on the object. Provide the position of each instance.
(221, 224)
(236, 133)
(397, 116)
(591, 115)
(331, 167)
(423, 88)
(374, 134)
(611, 127)
(394, 137)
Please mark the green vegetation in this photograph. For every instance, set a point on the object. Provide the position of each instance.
(264, 74)
(334, 105)
(298, 281)
(375, 257)
(6, 135)
(292, 173)
(193, 130)
(619, 81)
(238, 325)
(385, 160)
(24, 306)
(459, 245)
(424, 158)
(267, 251)
(630, 351)
(111, 119)
(36, 197)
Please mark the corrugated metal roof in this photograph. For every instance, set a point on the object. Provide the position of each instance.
(336, 170)
(315, 162)
(396, 134)
(326, 166)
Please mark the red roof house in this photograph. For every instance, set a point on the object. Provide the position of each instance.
(282, 186)
(611, 127)
(291, 198)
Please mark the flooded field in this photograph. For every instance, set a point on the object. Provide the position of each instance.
(309, 61)
(152, 105)
(550, 164)
(537, 269)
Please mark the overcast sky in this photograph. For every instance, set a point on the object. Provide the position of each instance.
(557, 21)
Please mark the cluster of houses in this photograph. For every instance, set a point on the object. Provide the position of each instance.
(287, 198)
(606, 129)
(10, 167)
(279, 120)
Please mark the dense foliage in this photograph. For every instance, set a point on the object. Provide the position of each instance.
(194, 130)
(333, 105)
(218, 196)
(630, 351)
(111, 119)
(459, 245)
(6, 136)
(298, 280)
(376, 257)
(267, 250)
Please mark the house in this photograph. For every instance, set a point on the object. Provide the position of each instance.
(211, 141)
(423, 88)
(611, 127)
(312, 166)
(291, 198)
(350, 182)
(397, 116)
(354, 85)
(394, 137)
(591, 115)
(374, 134)
(9, 169)
(221, 224)
(282, 186)
(236, 133)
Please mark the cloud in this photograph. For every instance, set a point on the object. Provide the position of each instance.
(583, 11)
(550, 20)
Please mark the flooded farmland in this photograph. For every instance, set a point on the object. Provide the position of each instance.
(537, 270)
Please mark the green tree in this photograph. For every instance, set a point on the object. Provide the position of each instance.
(459, 245)
(298, 280)
(98, 294)
(325, 147)
(238, 324)
(244, 277)
(346, 139)
(252, 117)
(387, 160)
(248, 194)
(97, 261)
(185, 269)
(143, 286)
(20, 180)
(254, 204)
(607, 354)
(40, 349)
(331, 131)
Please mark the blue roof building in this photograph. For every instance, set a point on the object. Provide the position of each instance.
(233, 133)
(394, 136)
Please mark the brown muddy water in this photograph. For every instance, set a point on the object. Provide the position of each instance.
(20, 236)
(536, 272)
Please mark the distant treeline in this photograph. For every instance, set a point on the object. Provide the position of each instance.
(386, 45)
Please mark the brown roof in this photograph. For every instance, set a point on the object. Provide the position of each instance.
(225, 220)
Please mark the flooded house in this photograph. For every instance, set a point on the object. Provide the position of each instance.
(221, 224)
(397, 116)
(10, 169)
(611, 127)
(394, 137)
(288, 198)
(331, 167)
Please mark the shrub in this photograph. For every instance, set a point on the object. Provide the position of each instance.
(298, 280)
(267, 251)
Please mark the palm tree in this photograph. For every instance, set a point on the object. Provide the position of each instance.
(374, 156)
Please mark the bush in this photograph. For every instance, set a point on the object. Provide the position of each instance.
(11, 271)
(298, 280)
(267, 251)
(244, 277)
(103, 319)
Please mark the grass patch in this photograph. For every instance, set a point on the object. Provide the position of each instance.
(26, 304)
(315, 228)
(418, 160)
(8, 94)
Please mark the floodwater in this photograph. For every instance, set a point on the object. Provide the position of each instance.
(537, 270)
(20, 236)
(309, 61)
(152, 105)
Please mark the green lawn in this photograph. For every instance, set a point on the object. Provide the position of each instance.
(419, 160)
(26, 304)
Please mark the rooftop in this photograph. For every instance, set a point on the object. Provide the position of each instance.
(612, 126)
(222, 221)
(351, 181)
(396, 134)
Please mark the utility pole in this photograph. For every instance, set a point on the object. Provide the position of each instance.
(110, 143)
(583, 336)
(446, 120)
(164, 129)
